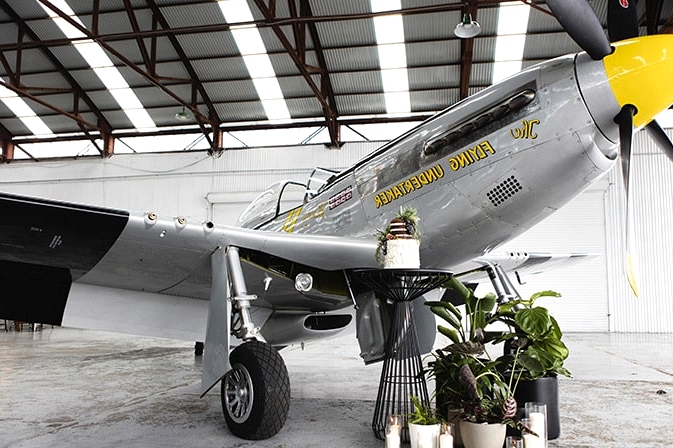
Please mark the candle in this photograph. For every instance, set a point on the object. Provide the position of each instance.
(446, 441)
(537, 424)
(393, 440)
(532, 441)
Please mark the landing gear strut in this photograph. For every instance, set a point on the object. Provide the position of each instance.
(255, 393)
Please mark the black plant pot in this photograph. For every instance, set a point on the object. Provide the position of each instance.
(542, 390)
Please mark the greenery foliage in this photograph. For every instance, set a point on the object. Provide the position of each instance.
(423, 415)
(472, 385)
(535, 338)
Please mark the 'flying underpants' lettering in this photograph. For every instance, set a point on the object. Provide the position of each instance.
(471, 155)
(407, 186)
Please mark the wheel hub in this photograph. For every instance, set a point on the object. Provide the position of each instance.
(238, 393)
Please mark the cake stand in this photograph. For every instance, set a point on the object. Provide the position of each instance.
(402, 374)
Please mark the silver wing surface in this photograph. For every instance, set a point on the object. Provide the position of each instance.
(95, 267)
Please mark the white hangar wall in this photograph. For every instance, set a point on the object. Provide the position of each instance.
(190, 184)
(595, 293)
(652, 202)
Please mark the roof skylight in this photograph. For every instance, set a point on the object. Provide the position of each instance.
(101, 64)
(389, 31)
(509, 45)
(24, 112)
(256, 59)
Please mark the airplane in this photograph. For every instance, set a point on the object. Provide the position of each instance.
(478, 173)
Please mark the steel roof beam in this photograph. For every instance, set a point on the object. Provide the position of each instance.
(298, 56)
(197, 87)
(78, 92)
(123, 59)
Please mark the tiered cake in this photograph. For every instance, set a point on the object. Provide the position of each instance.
(401, 246)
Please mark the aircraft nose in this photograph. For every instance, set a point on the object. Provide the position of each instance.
(640, 71)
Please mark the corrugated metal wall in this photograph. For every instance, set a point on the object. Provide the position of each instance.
(652, 204)
(577, 227)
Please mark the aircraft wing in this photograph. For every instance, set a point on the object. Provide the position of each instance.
(49, 249)
(528, 263)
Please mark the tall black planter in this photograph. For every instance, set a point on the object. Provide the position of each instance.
(542, 390)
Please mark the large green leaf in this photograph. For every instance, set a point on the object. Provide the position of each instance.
(487, 303)
(532, 364)
(447, 316)
(556, 332)
(534, 321)
(449, 333)
(554, 347)
(546, 293)
(448, 305)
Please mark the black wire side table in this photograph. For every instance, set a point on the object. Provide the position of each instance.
(402, 372)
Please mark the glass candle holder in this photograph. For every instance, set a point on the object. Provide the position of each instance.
(393, 431)
(536, 413)
(513, 442)
(446, 435)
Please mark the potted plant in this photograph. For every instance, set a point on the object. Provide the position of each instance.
(534, 340)
(424, 425)
(469, 386)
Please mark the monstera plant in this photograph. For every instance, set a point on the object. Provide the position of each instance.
(534, 337)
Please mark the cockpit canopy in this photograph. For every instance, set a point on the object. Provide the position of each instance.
(283, 196)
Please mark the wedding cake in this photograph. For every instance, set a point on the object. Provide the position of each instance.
(400, 248)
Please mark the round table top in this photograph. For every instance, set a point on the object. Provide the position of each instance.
(401, 284)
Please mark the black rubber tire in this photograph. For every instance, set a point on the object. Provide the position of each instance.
(259, 365)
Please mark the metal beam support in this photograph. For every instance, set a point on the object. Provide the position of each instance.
(7, 150)
(78, 92)
(108, 144)
(466, 48)
(299, 57)
(197, 86)
(123, 59)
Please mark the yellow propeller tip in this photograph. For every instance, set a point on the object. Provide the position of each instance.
(631, 275)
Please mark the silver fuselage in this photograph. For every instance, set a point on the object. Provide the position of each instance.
(482, 171)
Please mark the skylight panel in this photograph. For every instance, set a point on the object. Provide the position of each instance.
(256, 59)
(24, 112)
(268, 88)
(236, 11)
(101, 64)
(509, 45)
(389, 31)
(389, 56)
(259, 66)
(248, 40)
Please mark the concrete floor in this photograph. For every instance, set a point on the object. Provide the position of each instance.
(71, 388)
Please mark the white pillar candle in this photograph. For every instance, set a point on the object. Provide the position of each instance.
(531, 441)
(393, 440)
(537, 424)
(446, 441)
